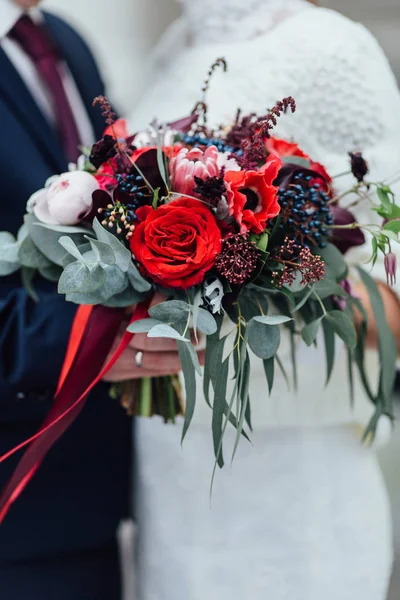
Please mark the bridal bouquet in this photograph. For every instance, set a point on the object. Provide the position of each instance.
(228, 224)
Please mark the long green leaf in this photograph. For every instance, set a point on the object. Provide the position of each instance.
(386, 343)
(218, 411)
(310, 331)
(189, 374)
(329, 340)
(243, 391)
(343, 326)
(269, 368)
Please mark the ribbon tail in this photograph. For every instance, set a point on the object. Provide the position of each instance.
(85, 362)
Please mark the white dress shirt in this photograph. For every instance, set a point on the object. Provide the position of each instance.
(9, 15)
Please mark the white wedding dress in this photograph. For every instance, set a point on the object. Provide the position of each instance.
(302, 514)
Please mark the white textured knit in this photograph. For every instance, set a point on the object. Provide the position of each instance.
(347, 99)
(303, 513)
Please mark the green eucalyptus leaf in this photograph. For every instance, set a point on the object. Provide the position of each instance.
(66, 229)
(328, 287)
(252, 304)
(197, 300)
(243, 393)
(214, 348)
(75, 279)
(7, 268)
(9, 248)
(269, 369)
(27, 277)
(218, 411)
(103, 252)
(47, 240)
(206, 322)
(137, 281)
(171, 311)
(343, 326)
(143, 326)
(123, 256)
(161, 164)
(70, 246)
(125, 298)
(386, 342)
(93, 298)
(189, 373)
(264, 340)
(310, 331)
(51, 273)
(272, 320)
(329, 343)
(304, 299)
(334, 259)
(30, 256)
(166, 331)
(115, 281)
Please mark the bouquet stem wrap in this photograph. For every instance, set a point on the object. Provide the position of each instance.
(92, 335)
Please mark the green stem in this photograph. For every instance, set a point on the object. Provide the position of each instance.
(320, 303)
(341, 174)
(145, 397)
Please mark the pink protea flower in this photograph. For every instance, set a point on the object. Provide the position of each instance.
(189, 164)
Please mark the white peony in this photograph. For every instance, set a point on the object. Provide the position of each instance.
(65, 200)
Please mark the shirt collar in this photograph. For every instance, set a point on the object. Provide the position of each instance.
(9, 15)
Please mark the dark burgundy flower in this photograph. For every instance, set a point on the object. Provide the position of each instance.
(238, 259)
(391, 267)
(103, 150)
(359, 166)
(148, 165)
(184, 125)
(344, 239)
(210, 188)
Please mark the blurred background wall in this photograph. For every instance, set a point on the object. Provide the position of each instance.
(119, 30)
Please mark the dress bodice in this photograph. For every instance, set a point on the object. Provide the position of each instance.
(341, 79)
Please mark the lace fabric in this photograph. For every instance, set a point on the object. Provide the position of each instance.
(220, 20)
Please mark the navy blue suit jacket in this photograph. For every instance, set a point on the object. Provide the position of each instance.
(78, 496)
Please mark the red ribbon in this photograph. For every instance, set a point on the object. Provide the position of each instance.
(93, 333)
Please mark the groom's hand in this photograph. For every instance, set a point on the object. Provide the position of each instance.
(147, 357)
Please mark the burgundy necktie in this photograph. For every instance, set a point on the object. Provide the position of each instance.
(37, 44)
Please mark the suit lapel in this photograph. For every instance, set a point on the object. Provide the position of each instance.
(19, 98)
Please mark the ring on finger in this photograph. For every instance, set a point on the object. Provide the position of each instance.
(139, 359)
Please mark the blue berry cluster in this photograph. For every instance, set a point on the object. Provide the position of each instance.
(198, 140)
(132, 184)
(305, 212)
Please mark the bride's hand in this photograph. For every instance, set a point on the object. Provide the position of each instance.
(146, 357)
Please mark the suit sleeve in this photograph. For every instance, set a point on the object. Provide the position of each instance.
(33, 339)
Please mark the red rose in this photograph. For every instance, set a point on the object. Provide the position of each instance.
(282, 148)
(177, 243)
(252, 197)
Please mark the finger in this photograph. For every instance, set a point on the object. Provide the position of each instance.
(153, 365)
(141, 342)
(169, 361)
